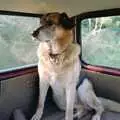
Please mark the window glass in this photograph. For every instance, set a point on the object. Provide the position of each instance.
(101, 41)
(16, 45)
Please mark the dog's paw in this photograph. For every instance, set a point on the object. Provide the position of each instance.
(36, 116)
(96, 117)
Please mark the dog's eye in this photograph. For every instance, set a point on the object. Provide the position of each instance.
(49, 23)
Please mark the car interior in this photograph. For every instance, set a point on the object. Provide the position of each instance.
(97, 31)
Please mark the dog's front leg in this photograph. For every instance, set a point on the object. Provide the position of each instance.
(43, 84)
(70, 100)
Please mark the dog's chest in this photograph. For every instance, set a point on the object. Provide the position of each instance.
(57, 82)
(58, 86)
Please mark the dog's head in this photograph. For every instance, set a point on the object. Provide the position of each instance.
(53, 26)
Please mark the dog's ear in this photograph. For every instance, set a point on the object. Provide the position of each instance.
(66, 22)
(43, 19)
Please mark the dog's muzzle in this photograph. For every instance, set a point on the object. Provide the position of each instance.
(43, 33)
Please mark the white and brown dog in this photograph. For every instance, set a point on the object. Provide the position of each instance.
(59, 67)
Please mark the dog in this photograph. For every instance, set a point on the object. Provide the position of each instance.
(59, 67)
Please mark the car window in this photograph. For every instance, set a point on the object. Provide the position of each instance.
(16, 45)
(101, 41)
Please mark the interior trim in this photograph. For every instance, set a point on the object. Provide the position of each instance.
(18, 72)
(15, 13)
(101, 69)
(99, 13)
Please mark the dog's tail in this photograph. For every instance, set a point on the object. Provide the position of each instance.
(110, 104)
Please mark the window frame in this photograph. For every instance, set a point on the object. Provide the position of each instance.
(93, 14)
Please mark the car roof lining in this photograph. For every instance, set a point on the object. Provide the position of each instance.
(70, 6)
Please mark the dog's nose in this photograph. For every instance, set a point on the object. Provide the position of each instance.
(36, 32)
